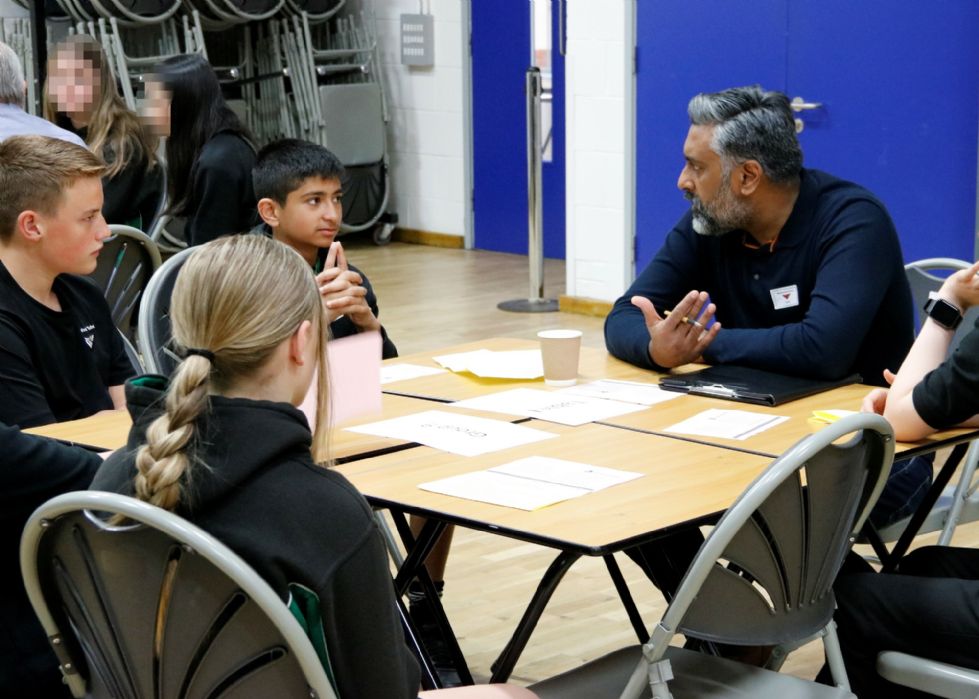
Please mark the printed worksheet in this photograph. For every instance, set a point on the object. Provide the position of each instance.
(458, 434)
(625, 391)
(727, 424)
(553, 406)
(530, 483)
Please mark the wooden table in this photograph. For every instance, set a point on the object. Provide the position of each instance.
(593, 364)
(775, 440)
(594, 524)
(683, 484)
(103, 431)
(346, 445)
(109, 430)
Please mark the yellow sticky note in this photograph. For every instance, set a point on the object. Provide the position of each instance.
(829, 416)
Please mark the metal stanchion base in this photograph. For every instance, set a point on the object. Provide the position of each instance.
(529, 305)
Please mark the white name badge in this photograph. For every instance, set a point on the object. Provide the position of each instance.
(785, 297)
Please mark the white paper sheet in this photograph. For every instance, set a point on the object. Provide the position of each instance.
(402, 372)
(625, 391)
(530, 483)
(501, 489)
(458, 434)
(515, 364)
(727, 424)
(553, 406)
(458, 361)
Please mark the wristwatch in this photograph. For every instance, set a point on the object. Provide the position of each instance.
(942, 312)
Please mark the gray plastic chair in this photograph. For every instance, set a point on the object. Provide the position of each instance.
(354, 129)
(153, 331)
(132, 354)
(764, 576)
(959, 503)
(127, 261)
(158, 608)
(931, 676)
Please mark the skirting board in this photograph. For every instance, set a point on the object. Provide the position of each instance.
(584, 306)
(436, 240)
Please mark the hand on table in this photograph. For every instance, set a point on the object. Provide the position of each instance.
(876, 400)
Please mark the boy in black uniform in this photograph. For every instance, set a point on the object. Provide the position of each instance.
(61, 357)
(297, 184)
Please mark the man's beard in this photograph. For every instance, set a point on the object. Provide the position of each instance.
(723, 215)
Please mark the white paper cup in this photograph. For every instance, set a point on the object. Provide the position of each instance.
(559, 350)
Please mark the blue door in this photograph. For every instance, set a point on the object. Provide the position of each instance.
(898, 84)
(679, 54)
(501, 55)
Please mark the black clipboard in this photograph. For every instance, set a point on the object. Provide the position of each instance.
(748, 385)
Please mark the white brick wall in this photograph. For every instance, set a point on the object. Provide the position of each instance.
(599, 199)
(426, 134)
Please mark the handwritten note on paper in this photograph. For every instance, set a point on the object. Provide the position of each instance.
(624, 391)
(530, 483)
(489, 364)
(458, 434)
(727, 424)
(553, 406)
(402, 372)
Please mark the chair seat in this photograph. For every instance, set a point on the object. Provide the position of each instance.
(696, 676)
(940, 679)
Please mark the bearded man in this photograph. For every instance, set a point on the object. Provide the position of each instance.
(785, 268)
(776, 267)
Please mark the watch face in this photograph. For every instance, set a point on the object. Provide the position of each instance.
(944, 313)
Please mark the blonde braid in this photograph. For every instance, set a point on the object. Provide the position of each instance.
(162, 463)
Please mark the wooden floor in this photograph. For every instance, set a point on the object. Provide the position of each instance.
(433, 297)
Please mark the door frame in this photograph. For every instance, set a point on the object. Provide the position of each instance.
(468, 236)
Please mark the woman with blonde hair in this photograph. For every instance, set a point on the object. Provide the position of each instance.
(81, 95)
(225, 447)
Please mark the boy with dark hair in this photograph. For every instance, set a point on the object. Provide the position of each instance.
(61, 357)
(298, 187)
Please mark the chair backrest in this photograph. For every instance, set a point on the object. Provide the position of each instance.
(923, 280)
(764, 576)
(353, 122)
(132, 354)
(154, 333)
(156, 607)
(127, 261)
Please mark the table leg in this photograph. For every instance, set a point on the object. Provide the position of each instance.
(626, 596)
(508, 658)
(414, 568)
(889, 563)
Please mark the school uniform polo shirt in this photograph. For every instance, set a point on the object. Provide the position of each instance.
(57, 365)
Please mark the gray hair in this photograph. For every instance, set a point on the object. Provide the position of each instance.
(11, 76)
(751, 124)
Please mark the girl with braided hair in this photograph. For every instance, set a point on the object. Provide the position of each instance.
(223, 445)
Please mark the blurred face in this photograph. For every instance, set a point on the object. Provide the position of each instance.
(715, 206)
(73, 83)
(156, 108)
(71, 236)
(311, 216)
